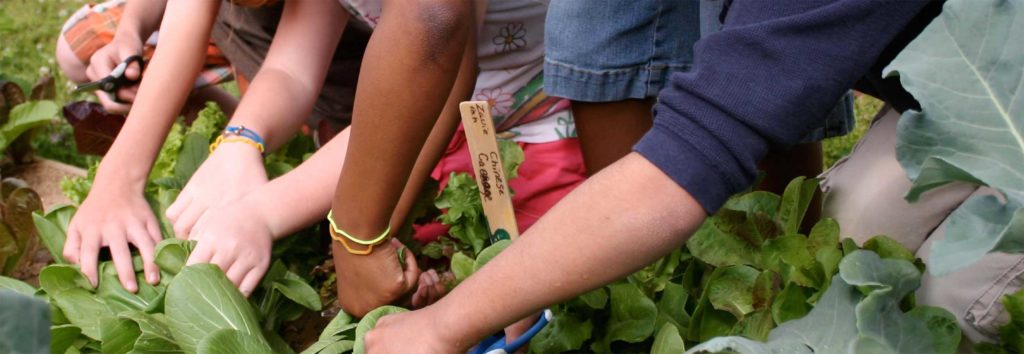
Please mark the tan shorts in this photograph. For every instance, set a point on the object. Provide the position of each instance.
(244, 35)
(864, 192)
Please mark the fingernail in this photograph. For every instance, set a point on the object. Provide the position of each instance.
(152, 278)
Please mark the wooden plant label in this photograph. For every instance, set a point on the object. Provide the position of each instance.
(490, 175)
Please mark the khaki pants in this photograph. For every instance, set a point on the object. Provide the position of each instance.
(864, 193)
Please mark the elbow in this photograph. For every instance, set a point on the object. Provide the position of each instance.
(442, 25)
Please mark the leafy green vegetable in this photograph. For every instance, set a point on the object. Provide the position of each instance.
(742, 275)
(51, 229)
(461, 199)
(210, 121)
(201, 300)
(369, 321)
(24, 117)
(163, 166)
(632, 314)
(62, 337)
(795, 201)
(24, 323)
(193, 152)
(970, 129)
(489, 253)
(118, 335)
(462, 266)
(231, 341)
(859, 313)
(731, 289)
(1011, 334)
(943, 325)
(668, 341)
(84, 310)
(16, 285)
(56, 278)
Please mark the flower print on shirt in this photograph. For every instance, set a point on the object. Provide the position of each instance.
(500, 101)
(510, 37)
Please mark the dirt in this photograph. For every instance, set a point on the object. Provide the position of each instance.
(44, 177)
(303, 332)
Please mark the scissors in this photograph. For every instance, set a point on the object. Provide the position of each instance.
(497, 345)
(111, 83)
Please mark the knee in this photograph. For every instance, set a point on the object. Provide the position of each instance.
(70, 65)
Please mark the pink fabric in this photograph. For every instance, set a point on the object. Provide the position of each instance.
(549, 172)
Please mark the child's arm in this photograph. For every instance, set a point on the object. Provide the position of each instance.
(244, 232)
(395, 110)
(279, 99)
(621, 219)
(140, 19)
(115, 212)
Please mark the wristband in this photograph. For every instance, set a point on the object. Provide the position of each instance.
(242, 131)
(349, 249)
(236, 139)
(336, 231)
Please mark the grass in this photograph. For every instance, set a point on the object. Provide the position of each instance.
(30, 29)
(864, 108)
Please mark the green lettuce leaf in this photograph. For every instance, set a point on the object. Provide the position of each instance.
(201, 300)
(369, 321)
(24, 117)
(232, 341)
(24, 324)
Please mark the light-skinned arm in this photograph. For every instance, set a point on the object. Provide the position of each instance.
(116, 213)
(634, 215)
(245, 232)
(279, 98)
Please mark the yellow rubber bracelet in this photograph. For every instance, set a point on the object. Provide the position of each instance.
(236, 139)
(349, 249)
(376, 241)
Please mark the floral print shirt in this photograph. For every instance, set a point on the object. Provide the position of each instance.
(510, 54)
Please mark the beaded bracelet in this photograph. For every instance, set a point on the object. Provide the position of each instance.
(336, 231)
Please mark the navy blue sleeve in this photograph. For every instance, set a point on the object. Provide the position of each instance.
(765, 80)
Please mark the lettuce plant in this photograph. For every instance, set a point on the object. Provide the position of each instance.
(966, 70)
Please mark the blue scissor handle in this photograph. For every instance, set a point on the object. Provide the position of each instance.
(497, 345)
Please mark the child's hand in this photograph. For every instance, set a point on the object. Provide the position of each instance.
(103, 62)
(366, 282)
(236, 239)
(114, 217)
(233, 170)
(431, 287)
(419, 330)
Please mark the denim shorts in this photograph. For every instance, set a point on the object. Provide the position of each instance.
(613, 50)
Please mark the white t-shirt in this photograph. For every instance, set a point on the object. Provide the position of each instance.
(510, 54)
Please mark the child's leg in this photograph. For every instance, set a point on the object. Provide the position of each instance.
(70, 65)
(612, 70)
(782, 166)
(607, 131)
(87, 30)
(244, 34)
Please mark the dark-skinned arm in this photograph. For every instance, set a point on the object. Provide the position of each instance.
(408, 72)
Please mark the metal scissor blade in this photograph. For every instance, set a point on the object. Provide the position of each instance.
(89, 86)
